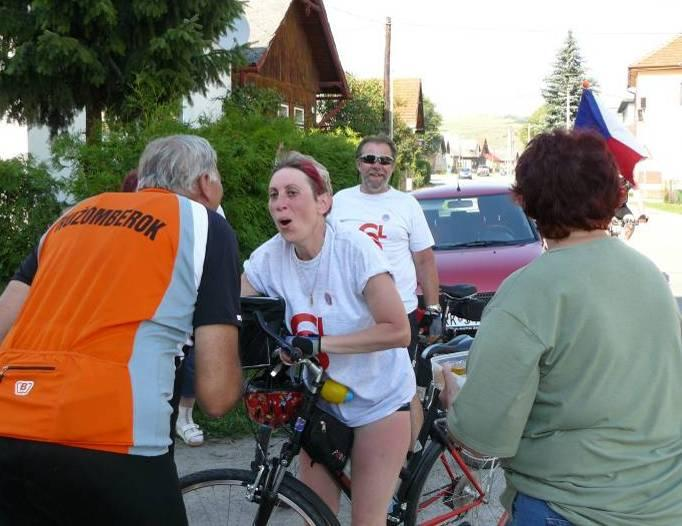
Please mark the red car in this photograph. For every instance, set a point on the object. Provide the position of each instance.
(481, 235)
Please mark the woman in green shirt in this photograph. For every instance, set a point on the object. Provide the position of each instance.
(578, 396)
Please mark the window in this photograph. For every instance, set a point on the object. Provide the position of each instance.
(463, 221)
(642, 103)
(299, 116)
(283, 110)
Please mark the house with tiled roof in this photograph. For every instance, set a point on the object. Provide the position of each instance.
(653, 112)
(408, 102)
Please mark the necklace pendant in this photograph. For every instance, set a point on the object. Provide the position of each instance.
(312, 301)
(328, 298)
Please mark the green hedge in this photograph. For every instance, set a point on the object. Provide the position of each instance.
(246, 144)
(28, 204)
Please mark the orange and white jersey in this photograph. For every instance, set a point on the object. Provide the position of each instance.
(122, 280)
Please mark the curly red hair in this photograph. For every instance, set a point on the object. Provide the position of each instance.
(567, 180)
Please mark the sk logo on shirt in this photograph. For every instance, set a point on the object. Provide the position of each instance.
(376, 232)
(23, 387)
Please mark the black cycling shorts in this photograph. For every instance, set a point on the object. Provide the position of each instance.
(43, 483)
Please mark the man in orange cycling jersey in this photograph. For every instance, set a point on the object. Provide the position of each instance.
(92, 325)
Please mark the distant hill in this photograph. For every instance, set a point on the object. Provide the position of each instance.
(491, 127)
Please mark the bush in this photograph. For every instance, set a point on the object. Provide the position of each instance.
(246, 143)
(97, 168)
(28, 204)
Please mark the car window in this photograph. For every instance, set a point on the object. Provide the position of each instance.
(477, 221)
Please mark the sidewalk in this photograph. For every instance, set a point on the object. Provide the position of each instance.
(214, 453)
(659, 241)
(217, 453)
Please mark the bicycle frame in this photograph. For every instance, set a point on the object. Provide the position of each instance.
(270, 471)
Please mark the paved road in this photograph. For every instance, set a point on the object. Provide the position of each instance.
(659, 239)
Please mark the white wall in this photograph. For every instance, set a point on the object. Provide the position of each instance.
(210, 105)
(661, 127)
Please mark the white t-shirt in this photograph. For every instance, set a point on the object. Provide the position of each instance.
(381, 381)
(395, 222)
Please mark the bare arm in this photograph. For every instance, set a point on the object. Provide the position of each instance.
(391, 329)
(447, 397)
(218, 371)
(11, 302)
(247, 289)
(427, 274)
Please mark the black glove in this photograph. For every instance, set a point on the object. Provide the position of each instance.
(308, 345)
(433, 318)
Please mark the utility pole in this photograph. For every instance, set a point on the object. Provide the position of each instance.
(388, 106)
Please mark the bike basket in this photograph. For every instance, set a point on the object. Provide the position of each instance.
(255, 346)
(272, 403)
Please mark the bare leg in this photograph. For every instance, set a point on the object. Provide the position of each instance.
(416, 420)
(318, 479)
(379, 451)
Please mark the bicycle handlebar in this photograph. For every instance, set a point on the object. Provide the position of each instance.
(295, 353)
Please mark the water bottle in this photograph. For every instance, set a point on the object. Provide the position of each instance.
(335, 393)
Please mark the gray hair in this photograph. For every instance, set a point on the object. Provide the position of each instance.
(377, 139)
(294, 159)
(176, 162)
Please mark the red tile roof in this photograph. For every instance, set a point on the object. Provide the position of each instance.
(667, 57)
(408, 102)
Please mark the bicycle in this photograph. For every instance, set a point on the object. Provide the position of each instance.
(440, 484)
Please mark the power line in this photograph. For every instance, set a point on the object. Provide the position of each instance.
(498, 29)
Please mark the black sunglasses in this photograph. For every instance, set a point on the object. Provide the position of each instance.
(373, 159)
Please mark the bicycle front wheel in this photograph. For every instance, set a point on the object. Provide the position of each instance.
(443, 494)
(219, 496)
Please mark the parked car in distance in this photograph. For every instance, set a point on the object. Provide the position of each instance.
(465, 173)
(483, 171)
(481, 236)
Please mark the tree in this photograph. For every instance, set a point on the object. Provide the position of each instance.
(57, 58)
(364, 111)
(432, 123)
(566, 77)
(534, 124)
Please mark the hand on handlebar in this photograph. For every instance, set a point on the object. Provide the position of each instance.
(308, 345)
(434, 321)
(450, 390)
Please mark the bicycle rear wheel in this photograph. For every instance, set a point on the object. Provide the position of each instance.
(440, 488)
(219, 497)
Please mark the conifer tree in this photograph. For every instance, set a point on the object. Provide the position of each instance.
(57, 58)
(564, 82)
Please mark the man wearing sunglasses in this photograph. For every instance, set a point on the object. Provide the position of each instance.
(396, 223)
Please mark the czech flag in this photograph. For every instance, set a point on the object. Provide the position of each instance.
(622, 144)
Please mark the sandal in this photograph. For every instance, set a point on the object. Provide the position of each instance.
(191, 434)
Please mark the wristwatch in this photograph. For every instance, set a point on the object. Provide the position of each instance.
(435, 308)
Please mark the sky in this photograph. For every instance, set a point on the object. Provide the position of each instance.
(491, 56)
